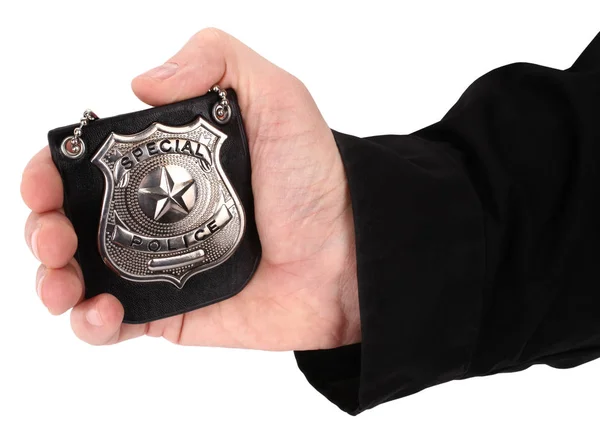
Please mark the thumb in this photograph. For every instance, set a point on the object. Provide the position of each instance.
(210, 57)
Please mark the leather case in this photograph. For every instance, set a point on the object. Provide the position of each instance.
(83, 199)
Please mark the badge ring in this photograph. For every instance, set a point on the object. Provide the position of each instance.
(70, 154)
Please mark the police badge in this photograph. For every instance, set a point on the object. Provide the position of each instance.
(169, 210)
(161, 203)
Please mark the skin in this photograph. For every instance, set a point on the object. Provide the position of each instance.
(304, 293)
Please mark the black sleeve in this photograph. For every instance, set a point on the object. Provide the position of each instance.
(477, 239)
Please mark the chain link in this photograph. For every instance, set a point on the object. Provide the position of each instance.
(73, 147)
(76, 142)
(222, 110)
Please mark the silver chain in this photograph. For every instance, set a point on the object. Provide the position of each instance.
(73, 147)
(222, 110)
(76, 142)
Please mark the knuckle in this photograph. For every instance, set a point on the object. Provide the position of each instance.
(57, 239)
(27, 181)
(30, 225)
(32, 219)
(210, 36)
(292, 85)
(298, 86)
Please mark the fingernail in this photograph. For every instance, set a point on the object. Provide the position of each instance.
(165, 71)
(94, 318)
(34, 242)
(40, 280)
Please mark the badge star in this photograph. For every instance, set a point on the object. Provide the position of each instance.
(168, 195)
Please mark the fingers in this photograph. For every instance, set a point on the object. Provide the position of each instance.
(60, 289)
(98, 320)
(51, 238)
(209, 57)
(41, 186)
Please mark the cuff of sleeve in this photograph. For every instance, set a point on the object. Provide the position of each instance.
(420, 267)
(334, 373)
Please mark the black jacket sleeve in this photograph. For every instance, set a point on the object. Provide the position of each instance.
(477, 239)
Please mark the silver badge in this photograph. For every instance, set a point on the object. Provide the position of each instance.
(169, 211)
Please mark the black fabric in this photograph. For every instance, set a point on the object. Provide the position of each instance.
(84, 188)
(477, 239)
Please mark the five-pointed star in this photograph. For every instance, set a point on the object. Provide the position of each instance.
(168, 195)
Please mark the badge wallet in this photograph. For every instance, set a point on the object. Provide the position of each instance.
(161, 202)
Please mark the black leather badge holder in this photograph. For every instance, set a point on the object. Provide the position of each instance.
(161, 202)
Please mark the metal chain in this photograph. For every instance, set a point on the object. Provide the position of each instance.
(73, 147)
(88, 115)
(222, 110)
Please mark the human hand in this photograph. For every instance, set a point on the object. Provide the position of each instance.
(304, 293)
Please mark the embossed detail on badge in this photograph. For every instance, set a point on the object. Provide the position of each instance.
(169, 211)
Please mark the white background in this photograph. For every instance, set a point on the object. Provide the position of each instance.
(411, 59)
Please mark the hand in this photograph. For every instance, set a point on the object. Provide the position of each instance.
(303, 294)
